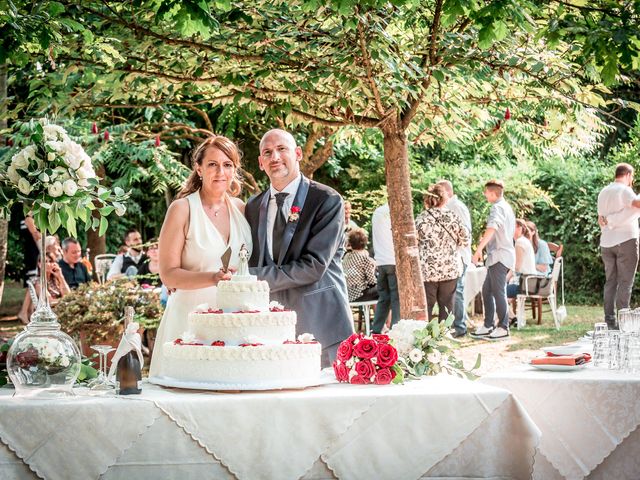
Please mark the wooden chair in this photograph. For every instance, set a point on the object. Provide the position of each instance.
(103, 264)
(536, 304)
(535, 287)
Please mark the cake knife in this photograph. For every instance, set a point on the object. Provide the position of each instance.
(226, 257)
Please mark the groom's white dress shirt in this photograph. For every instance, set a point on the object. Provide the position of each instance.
(291, 189)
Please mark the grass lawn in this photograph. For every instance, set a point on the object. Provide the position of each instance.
(11, 299)
(580, 319)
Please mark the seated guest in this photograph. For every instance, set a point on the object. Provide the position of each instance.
(74, 271)
(128, 263)
(441, 233)
(525, 258)
(53, 246)
(56, 284)
(544, 260)
(359, 268)
(149, 271)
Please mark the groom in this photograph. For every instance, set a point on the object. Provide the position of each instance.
(297, 229)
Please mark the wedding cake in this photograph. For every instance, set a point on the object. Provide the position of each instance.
(244, 341)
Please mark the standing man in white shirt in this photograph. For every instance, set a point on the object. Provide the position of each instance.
(618, 212)
(501, 257)
(385, 258)
(456, 206)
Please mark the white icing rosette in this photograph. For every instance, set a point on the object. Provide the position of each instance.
(203, 307)
(306, 338)
(188, 337)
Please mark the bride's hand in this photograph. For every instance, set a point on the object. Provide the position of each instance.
(221, 275)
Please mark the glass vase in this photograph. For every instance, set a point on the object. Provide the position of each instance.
(43, 361)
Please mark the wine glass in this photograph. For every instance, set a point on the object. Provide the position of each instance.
(101, 382)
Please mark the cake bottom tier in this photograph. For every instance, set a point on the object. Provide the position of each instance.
(242, 365)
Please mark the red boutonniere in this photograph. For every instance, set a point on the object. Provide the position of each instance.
(295, 214)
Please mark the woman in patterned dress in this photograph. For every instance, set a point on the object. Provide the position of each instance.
(359, 268)
(440, 233)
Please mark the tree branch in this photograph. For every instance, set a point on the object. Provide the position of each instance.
(367, 64)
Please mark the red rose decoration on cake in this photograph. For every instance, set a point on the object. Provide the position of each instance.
(218, 343)
(364, 360)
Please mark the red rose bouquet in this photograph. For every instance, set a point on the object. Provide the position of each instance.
(367, 359)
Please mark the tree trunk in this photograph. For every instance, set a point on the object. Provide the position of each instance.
(97, 244)
(4, 225)
(396, 163)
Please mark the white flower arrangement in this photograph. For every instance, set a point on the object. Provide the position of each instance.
(423, 349)
(52, 176)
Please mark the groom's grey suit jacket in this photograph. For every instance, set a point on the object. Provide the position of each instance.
(307, 274)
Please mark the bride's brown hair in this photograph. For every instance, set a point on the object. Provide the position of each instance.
(226, 146)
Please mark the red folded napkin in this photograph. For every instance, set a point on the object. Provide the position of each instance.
(551, 359)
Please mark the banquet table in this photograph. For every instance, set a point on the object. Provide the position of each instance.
(588, 418)
(473, 280)
(438, 427)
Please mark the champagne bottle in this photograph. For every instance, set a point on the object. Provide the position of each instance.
(129, 370)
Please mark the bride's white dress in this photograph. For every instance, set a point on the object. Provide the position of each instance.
(202, 251)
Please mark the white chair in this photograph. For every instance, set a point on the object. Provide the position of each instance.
(103, 264)
(537, 286)
(32, 292)
(366, 312)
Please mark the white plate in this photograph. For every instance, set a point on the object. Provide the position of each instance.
(323, 378)
(559, 368)
(564, 349)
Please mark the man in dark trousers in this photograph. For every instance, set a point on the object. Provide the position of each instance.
(297, 227)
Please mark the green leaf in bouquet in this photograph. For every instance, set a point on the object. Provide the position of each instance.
(71, 226)
(119, 192)
(82, 213)
(106, 211)
(449, 321)
(399, 378)
(87, 372)
(478, 362)
(103, 226)
(54, 220)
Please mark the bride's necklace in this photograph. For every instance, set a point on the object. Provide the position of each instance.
(214, 210)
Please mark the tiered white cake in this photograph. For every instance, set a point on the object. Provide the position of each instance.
(243, 342)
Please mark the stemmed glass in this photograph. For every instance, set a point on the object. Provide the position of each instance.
(101, 382)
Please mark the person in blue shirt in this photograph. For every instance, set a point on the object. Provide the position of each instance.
(544, 260)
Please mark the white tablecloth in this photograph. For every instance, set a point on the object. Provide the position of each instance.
(439, 427)
(588, 419)
(473, 280)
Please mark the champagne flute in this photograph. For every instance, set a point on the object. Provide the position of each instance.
(101, 382)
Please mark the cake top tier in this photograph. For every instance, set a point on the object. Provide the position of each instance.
(240, 285)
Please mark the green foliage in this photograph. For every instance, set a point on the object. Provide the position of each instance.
(54, 180)
(97, 309)
(424, 349)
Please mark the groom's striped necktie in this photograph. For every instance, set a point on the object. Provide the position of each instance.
(278, 226)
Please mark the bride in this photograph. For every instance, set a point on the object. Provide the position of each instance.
(200, 224)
